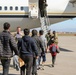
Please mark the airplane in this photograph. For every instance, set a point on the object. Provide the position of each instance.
(26, 13)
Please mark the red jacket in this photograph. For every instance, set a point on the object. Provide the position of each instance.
(50, 48)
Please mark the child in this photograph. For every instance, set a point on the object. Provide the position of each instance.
(53, 50)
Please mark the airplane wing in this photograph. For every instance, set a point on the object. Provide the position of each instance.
(68, 12)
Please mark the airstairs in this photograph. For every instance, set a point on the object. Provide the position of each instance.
(36, 14)
(44, 24)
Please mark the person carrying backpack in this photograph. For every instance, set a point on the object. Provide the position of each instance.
(53, 50)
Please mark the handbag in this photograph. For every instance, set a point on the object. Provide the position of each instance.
(21, 62)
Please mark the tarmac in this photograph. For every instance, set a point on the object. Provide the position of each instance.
(65, 61)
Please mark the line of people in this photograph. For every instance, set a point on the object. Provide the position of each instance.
(41, 45)
(29, 48)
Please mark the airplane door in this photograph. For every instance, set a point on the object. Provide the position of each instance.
(33, 8)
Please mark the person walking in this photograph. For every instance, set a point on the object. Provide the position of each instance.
(27, 48)
(55, 37)
(53, 50)
(7, 46)
(18, 34)
(44, 42)
(48, 35)
(40, 49)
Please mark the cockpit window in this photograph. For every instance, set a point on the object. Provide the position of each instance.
(5, 8)
(22, 8)
(11, 8)
(16, 8)
(0, 8)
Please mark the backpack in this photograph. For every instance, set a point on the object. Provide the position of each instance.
(53, 49)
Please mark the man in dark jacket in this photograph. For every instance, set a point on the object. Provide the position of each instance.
(40, 49)
(7, 46)
(27, 48)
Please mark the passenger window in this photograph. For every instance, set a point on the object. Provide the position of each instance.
(16, 8)
(22, 8)
(5, 8)
(0, 8)
(26, 9)
(11, 8)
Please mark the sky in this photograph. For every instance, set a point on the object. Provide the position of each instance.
(65, 26)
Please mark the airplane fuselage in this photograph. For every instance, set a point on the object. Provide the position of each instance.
(25, 13)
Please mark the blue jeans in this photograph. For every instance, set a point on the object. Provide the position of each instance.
(38, 61)
(43, 58)
(5, 65)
